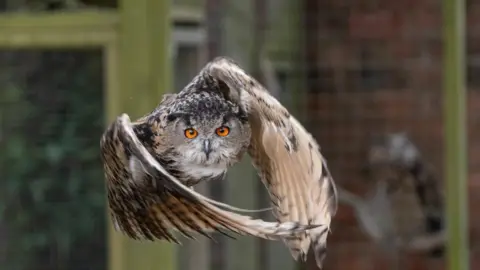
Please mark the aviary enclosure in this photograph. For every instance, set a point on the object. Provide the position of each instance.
(388, 88)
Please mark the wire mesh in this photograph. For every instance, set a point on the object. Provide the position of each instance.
(374, 80)
(365, 79)
(53, 203)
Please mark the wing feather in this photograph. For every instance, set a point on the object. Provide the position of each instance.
(151, 204)
(287, 157)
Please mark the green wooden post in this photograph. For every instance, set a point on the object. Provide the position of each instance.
(143, 76)
(455, 134)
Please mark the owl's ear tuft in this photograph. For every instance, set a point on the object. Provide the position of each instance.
(171, 117)
(228, 93)
(174, 116)
(230, 81)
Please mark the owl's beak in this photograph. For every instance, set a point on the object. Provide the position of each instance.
(207, 147)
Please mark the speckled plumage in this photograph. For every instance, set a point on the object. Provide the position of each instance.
(146, 161)
(162, 133)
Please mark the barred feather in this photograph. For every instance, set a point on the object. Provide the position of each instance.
(150, 207)
(287, 157)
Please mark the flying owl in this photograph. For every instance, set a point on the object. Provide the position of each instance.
(152, 164)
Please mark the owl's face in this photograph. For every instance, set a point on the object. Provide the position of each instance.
(208, 137)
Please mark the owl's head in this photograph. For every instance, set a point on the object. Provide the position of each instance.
(207, 130)
(394, 148)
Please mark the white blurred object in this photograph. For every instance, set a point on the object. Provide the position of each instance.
(375, 216)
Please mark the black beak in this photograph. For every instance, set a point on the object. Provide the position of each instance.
(207, 147)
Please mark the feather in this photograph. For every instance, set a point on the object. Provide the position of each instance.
(147, 202)
(287, 157)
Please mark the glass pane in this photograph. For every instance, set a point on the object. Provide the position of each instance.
(51, 182)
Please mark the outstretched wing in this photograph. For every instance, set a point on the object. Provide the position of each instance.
(287, 156)
(146, 202)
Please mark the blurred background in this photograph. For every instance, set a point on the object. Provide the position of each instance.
(365, 77)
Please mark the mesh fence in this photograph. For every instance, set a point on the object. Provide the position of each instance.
(365, 77)
(51, 107)
(374, 82)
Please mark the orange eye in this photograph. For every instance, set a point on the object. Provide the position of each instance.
(222, 131)
(190, 133)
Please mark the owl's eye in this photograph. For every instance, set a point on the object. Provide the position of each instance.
(222, 131)
(191, 133)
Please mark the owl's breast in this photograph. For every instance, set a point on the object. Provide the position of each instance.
(204, 171)
(190, 173)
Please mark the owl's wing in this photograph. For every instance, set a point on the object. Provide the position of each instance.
(286, 155)
(148, 201)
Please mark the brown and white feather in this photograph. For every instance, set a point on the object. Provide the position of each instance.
(148, 178)
(288, 159)
(150, 207)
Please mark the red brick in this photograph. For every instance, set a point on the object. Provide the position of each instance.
(402, 48)
(475, 259)
(375, 25)
(425, 22)
(438, 264)
(474, 157)
(415, 262)
(350, 256)
(473, 203)
(345, 215)
(343, 119)
(473, 19)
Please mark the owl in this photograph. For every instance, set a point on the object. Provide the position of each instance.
(152, 164)
(395, 159)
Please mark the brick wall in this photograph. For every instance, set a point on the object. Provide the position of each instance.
(375, 67)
